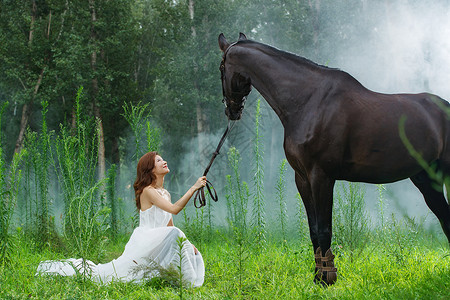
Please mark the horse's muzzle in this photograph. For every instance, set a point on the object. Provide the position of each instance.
(233, 115)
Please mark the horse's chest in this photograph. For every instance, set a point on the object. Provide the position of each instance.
(304, 150)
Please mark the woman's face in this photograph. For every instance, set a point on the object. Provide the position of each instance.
(160, 166)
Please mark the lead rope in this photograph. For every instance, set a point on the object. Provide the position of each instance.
(200, 194)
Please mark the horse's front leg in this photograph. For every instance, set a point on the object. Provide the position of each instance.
(322, 198)
(304, 188)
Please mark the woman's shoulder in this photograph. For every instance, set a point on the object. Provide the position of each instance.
(152, 191)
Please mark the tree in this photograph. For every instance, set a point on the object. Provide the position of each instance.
(51, 48)
(25, 54)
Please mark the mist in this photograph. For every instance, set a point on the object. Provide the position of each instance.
(398, 47)
(390, 47)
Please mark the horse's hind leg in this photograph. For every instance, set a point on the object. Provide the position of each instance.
(434, 197)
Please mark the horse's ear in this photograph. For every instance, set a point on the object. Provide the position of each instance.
(242, 36)
(223, 44)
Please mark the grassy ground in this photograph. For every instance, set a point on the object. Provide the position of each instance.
(419, 270)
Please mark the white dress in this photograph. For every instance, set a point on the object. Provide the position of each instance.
(151, 250)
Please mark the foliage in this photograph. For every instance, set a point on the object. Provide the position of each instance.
(112, 203)
(155, 50)
(271, 274)
(237, 193)
(86, 225)
(258, 194)
(40, 224)
(135, 114)
(9, 180)
(302, 220)
(195, 226)
(280, 192)
(9, 187)
(76, 168)
(350, 223)
(153, 134)
(382, 205)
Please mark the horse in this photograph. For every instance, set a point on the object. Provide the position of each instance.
(336, 129)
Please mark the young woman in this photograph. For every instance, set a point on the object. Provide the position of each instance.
(154, 246)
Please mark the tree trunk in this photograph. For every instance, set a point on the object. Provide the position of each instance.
(94, 94)
(26, 109)
(199, 110)
(202, 126)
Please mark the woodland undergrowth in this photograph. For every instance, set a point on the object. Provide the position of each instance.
(249, 257)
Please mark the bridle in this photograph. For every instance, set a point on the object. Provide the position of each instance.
(222, 72)
(200, 194)
(200, 197)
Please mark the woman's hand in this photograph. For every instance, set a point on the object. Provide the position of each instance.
(201, 182)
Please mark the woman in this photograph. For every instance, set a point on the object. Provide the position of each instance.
(154, 246)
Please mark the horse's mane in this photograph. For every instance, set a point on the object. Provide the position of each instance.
(288, 55)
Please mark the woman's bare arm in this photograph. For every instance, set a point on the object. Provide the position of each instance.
(151, 197)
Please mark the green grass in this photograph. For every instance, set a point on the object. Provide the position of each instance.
(275, 273)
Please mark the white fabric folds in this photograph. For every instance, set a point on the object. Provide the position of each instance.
(153, 250)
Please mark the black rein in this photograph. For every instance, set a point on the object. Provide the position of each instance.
(200, 198)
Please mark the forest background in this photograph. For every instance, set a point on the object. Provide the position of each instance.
(159, 54)
(114, 79)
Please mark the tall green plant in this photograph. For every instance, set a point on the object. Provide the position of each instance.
(258, 219)
(87, 224)
(153, 135)
(302, 220)
(43, 176)
(281, 195)
(237, 193)
(439, 178)
(76, 170)
(112, 202)
(9, 188)
(351, 223)
(38, 204)
(32, 187)
(194, 227)
(381, 205)
(135, 114)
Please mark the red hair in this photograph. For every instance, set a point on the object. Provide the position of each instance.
(144, 176)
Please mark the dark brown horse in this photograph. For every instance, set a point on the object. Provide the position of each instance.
(336, 129)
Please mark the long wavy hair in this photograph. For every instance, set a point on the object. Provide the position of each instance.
(144, 176)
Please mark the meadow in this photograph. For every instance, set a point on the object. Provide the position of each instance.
(251, 256)
(418, 268)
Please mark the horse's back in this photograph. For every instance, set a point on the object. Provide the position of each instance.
(364, 130)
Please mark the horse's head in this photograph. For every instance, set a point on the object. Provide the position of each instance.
(235, 84)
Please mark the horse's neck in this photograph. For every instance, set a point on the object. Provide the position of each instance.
(284, 85)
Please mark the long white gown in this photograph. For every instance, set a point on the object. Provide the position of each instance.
(152, 247)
